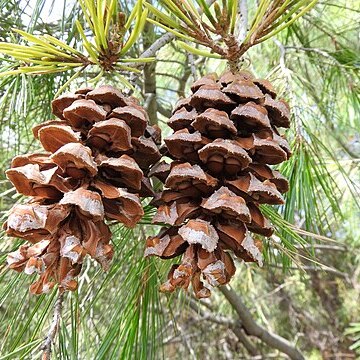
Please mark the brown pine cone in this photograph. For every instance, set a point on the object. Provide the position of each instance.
(98, 154)
(225, 136)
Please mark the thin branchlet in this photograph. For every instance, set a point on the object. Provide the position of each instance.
(54, 328)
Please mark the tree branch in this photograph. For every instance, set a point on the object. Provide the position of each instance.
(149, 86)
(327, 269)
(166, 112)
(235, 326)
(154, 48)
(323, 247)
(253, 328)
(243, 23)
(244, 339)
(157, 45)
(165, 39)
(54, 326)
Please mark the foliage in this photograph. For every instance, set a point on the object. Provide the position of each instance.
(222, 26)
(354, 331)
(112, 33)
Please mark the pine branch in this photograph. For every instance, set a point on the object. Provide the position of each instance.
(235, 326)
(323, 247)
(149, 86)
(313, 269)
(54, 327)
(163, 110)
(243, 23)
(244, 339)
(157, 45)
(251, 327)
(165, 39)
(192, 65)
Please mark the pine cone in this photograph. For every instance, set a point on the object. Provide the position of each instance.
(225, 136)
(99, 153)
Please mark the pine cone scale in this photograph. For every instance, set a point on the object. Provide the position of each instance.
(225, 137)
(92, 173)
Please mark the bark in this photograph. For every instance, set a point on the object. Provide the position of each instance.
(243, 338)
(164, 111)
(54, 326)
(183, 80)
(243, 22)
(150, 74)
(235, 326)
(253, 328)
(165, 39)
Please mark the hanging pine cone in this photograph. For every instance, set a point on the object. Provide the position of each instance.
(98, 154)
(225, 136)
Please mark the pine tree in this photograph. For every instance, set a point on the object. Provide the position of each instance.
(228, 150)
